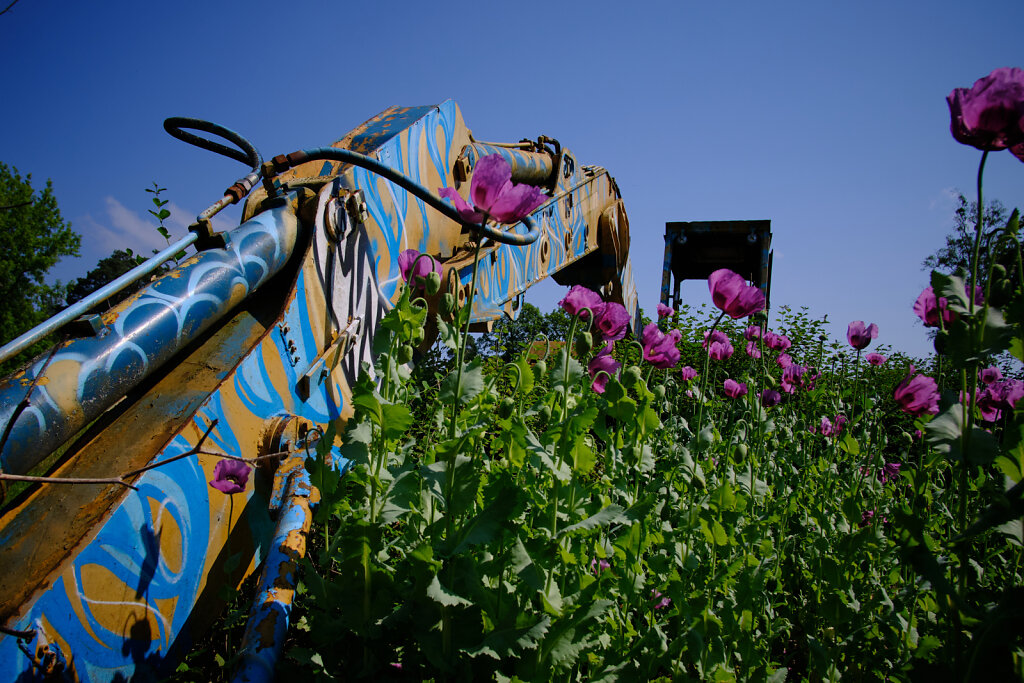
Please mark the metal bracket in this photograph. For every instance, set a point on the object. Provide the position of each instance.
(208, 238)
(328, 360)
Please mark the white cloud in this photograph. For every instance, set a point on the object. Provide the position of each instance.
(122, 228)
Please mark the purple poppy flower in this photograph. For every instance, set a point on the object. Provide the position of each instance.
(731, 294)
(1007, 392)
(613, 321)
(712, 336)
(798, 377)
(826, 427)
(990, 114)
(407, 260)
(579, 299)
(987, 402)
(230, 476)
(776, 342)
(752, 349)
(663, 602)
(752, 332)
(917, 394)
(660, 348)
(494, 194)
(770, 398)
(720, 350)
(866, 517)
(875, 358)
(889, 472)
(665, 311)
(599, 566)
(990, 374)
(687, 373)
(860, 335)
(602, 367)
(928, 308)
(734, 389)
(784, 360)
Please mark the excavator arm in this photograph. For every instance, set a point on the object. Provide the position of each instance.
(248, 349)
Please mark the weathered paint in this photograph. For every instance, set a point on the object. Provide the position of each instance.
(130, 577)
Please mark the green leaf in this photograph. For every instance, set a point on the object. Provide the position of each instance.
(469, 386)
(444, 596)
(486, 525)
(558, 372)
(849, 444)
(400, 498)
(164, 232)
(718, 532)
(448, 334)
(618, 404)
(396, 420)
(611, 514)
(506, 643)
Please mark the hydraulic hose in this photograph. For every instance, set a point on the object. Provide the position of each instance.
(284, 162)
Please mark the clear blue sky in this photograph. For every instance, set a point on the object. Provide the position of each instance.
(828, 118)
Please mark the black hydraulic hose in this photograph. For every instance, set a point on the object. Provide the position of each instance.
(246, 152)
(284, 162)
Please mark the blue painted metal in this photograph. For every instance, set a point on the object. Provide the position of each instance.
(139, 336)
(16, 346)
(271, 612)
(120, 580)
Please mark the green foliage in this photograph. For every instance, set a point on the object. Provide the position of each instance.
(33, 237)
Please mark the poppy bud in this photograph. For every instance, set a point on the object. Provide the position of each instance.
(505, 408)
(584, 342)
(545, 414)
(659, 392)
(940, 341)
(1002, 291)
(404, 354)
(741, 450)
(631, 376)
(540, 368)
(447, 304)
(417, 335)
(432, 283)
(998, 271)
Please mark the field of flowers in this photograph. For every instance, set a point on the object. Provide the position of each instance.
(671, 508)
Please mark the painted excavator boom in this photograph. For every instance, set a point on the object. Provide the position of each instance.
(246, 349)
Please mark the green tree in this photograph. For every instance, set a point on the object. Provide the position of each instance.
(107, 270)
(33, 237)
(959, 248)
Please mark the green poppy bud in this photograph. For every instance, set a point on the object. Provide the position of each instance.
(631, 376)
(545, 414)
(447, 304)
(584, 342)
(505, 408)
(741, 450)
(540, 368)
(1002, 291)
(404, 354)
(417, 335)
(432, 283)
(659, 392)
